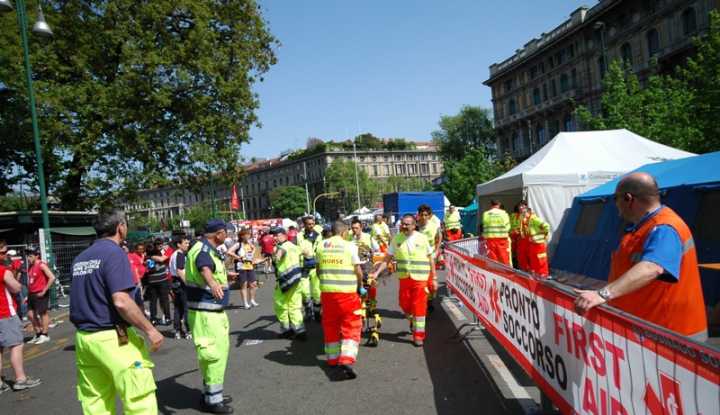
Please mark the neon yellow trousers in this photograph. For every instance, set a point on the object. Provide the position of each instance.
(288, 308)
(106, 368)
(308, 283)
(211, 335)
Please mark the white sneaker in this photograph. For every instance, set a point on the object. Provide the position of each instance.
(42, 339)
(246, 306)
(253, 303)
(33, 340)
(162, 321)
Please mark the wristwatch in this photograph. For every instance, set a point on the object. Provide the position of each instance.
(605, 294)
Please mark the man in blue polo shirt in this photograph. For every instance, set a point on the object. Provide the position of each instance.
(109, 353)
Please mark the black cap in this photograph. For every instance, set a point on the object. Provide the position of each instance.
(278, 230)
(214, 225)
(124, 243)
(32, 250)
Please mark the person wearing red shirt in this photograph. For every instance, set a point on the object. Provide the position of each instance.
(267, 242)
(40, 279)
(138, 269)
(10, 331)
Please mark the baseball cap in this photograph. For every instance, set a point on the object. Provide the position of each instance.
(278, 230)
(214, 225)
(124, 243)
(12, 252)
(32, 250)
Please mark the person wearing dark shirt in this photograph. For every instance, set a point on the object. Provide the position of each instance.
(177, 270)
(109, 353)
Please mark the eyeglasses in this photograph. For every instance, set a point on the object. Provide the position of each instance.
(3, 252)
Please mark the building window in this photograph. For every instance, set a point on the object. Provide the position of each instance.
(534, 72)
(553, 87)
(375, 170)
(567, 120)
(411, 169)
(573, 78)
(601, 68)
(545, 96)
(689, 22)
(387, 170)
(571, 51)
(536, 96)
(423, 169)
(561, 57)
(509, 85)
(652, 38)
(373, 158)
(540, 133)
(511, 107)
(626, 55)
(399, 169)
(515, 142)
(564, 84)
(434, 168)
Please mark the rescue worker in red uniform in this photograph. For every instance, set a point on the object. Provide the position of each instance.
(496, 228)
(432, 231)
(341, 283)
(654, 272)
(535, 232)
(415, 264)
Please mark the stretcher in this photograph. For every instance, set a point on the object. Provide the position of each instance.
(369, 309)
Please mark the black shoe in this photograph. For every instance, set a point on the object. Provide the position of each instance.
(286, 334)
(220, 408)
(348, 370)
(226, 399)
(154, 322)
(318, 317)
(307, 318)
(301, 337)
(431, 306)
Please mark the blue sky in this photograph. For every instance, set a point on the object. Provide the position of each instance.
(390, 67)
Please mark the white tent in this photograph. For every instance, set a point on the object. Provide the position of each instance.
(363, 214)
(571, 164)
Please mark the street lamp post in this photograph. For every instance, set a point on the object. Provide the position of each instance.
(357, 178)
(40, 29)
(601, 27)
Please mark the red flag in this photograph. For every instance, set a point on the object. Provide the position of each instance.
(234, 203)
(164, 227)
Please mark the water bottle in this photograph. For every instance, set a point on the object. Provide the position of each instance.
(138, 365)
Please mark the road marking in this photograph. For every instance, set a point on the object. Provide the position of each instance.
(519, 392)
(39, 350)
(450, 305)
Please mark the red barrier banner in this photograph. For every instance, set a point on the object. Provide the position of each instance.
(603, 363)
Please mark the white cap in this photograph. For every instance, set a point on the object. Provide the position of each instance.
(12, 252)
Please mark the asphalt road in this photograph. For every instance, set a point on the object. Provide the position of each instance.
(266, 375)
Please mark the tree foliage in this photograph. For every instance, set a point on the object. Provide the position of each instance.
(289, 202)
(133, 94)
(678, 110)
(468, 149)
(14, 202)
(341, 173)
(459, 135)
(368, 142)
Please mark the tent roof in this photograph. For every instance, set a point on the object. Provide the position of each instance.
(580, 158)
(699, 170)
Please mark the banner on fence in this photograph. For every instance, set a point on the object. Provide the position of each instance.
(603, 363)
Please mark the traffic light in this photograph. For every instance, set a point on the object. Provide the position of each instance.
(343, 192)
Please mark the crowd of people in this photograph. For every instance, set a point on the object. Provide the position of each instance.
(318, 277)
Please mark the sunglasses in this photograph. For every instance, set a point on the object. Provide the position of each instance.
(3, 252)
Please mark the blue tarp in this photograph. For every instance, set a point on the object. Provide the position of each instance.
(402, 203)
(593, 229)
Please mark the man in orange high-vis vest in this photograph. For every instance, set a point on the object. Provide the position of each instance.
(535, 232)
(654, 272)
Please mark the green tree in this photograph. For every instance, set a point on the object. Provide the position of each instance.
(289, 202)
(199, 213)
(662, 110)
(13, 202)
(368, 142)
(471, 129)
(678, 110)
(463, 176)
(132, 94)
(341, 173)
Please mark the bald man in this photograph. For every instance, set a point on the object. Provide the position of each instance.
(654, 272)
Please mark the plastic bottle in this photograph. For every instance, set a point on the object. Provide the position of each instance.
(138, 365)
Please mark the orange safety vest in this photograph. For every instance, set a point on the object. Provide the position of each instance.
(676, 306)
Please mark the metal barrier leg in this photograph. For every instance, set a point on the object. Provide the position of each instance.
(475, 325)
